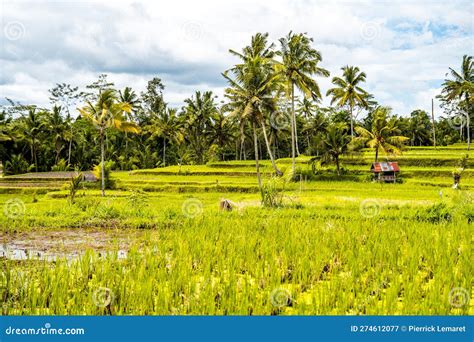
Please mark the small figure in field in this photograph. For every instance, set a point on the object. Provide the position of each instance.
(458, 172)
(227, 205)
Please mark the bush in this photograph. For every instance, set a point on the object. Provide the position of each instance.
(74, 185)
(138, 200)
(87, 203)
(439, 212)
(62, 165)
(16, 165)
(272, 193)
(109, 165)
(106, 211)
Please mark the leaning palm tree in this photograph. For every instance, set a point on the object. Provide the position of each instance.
(461, 87)
(257, 63)
(384, 135)
(251, 95)
(348, 91)
(298, 66)
(108, 113)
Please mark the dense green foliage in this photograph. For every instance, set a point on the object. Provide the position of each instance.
(263, 114)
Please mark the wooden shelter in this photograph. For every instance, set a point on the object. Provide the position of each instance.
(385, 171)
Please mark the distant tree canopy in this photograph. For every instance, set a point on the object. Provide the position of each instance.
(272, 109)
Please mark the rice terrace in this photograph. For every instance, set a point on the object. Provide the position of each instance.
(280, 197)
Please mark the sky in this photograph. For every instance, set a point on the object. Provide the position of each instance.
(404, 46)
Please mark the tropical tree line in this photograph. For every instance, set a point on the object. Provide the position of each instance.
(272, 108)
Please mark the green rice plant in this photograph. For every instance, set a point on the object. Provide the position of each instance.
(74, 186)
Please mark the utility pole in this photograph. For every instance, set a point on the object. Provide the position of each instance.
(433, 119)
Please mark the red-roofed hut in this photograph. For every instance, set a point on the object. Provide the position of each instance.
(385, 171)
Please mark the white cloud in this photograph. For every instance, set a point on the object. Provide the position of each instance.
(404, 46)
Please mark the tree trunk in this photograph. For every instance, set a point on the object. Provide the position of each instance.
(468, 124)
(126, 148)
(164, 152)
(352, 123)
(376, 154)
(269, 150)
(337, 165)
(296, 134)
(70, 148)
(468, 129)
(236, 150)
(293, 129)
(242, 141)
(255, 143)
(35, 158)
(102, 157)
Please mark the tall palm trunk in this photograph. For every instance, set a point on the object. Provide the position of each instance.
(352, 122)
(35, 159)
(269, 150)
(126, 145)
(70, 149)
(164, 152)
(468, 124)
(338, 168)
(255, 143)
(102, 164)
(296, 134)
(242, 141)
(292, 128)
(376, 154)
(468, 133)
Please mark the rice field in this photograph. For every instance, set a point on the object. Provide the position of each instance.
(159, 244)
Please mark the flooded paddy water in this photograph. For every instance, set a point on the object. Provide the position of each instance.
(41, 244)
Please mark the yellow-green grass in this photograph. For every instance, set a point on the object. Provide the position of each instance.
(339, 246)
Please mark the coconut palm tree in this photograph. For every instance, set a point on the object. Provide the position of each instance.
(335, 142)
(166, 126)
(251, 93)
(257, 64)
(461, 87)
(315, 129)
(58, 129)
(197, 115)
(130, 97)
(307, 108)
(298, 66)
(108, 113)
(384, 135)
(348, 91)
(29, 130)
(222, 131)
